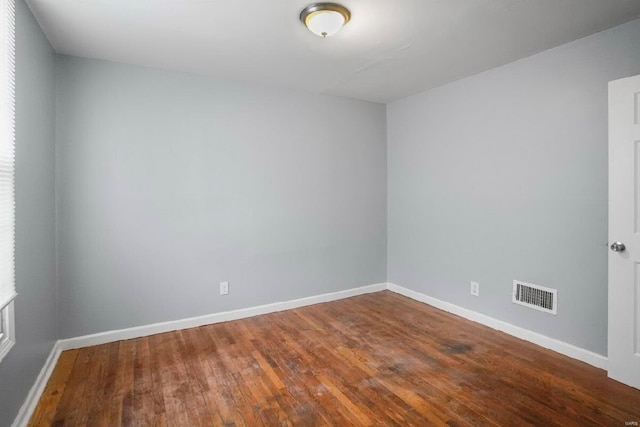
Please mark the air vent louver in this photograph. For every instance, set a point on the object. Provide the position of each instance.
(535, 296)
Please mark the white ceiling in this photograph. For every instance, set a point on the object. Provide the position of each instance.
(390, 49)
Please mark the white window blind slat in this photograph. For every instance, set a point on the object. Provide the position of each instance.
(7, 152)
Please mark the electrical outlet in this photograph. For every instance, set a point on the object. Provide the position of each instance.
(224, 288)
(475, 288)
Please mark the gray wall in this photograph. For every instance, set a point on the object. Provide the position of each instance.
(169, 183)
(503, 176)
(35, 307)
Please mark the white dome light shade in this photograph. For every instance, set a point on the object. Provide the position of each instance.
(325, 19)
(325, 23)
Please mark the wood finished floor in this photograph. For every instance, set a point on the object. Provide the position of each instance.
(377, 359)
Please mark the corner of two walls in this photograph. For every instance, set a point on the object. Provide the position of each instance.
(503, 176)
(35, 306)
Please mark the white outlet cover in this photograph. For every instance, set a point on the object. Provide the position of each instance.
(475, 288)
(224, 288)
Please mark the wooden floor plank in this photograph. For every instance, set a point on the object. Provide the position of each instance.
(376, 359)
(50, 399)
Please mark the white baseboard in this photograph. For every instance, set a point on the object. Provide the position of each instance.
(26, 411)
(558, 346)
(193, 322)
(30, 403)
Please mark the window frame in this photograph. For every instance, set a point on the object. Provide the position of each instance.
(7, 330)
(7, 119)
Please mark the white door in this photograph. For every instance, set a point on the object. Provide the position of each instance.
(624, 230)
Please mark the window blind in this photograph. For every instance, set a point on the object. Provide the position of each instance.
(7, 152)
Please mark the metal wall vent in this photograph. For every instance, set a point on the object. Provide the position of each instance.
(535, 296)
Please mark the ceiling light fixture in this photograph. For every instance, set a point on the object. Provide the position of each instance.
(325, 19)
